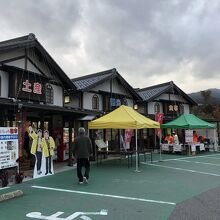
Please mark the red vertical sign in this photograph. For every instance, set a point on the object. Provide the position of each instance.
(158, 118)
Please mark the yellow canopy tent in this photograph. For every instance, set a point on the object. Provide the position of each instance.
(122, 118)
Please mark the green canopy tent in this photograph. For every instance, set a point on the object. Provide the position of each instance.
(189, 121)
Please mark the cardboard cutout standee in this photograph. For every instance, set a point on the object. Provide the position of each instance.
(43, 150)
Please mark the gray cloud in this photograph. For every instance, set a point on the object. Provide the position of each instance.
(148, 42)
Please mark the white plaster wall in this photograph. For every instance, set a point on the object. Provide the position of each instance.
(41, 64)
(10, 55)
(186, 108)
(105, 86)
(58, 95)
(32, 68)
(17, 63)
(74, 102)
(172, 97)
(116, 88)
(130, 102)
(151, 107)
(87, 100)
(4, 84)
(21, 63)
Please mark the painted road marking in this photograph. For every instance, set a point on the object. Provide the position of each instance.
(4, 188)
(180, 158)
(182, 169)
(212, 164)
(216, 158)
(75, 215)
(105, 195)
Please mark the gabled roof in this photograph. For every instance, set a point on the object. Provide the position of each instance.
(86, 83)
(150, 93)
(30, 41)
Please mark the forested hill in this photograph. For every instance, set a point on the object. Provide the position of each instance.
(211, 96)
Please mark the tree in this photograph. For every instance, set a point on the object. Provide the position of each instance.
(206, 94)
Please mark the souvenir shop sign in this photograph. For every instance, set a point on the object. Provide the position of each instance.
(8, 147)
(29, 86)
(32, 89)
(35, 87)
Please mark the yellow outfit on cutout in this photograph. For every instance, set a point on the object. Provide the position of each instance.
(34, 136)
(45, 147)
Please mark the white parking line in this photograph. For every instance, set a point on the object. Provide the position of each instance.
(105, 195)
(212, 164)
(216, 158)
(191, 171)
(192, 157)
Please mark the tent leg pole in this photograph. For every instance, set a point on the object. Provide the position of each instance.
(160, 147)
(136, 170)
(215, 147)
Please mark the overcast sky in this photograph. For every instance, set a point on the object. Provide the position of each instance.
(147, 41)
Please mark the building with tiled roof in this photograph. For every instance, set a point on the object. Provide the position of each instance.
(32, 88)
(166, 98)
(102, 91)
(165, 101)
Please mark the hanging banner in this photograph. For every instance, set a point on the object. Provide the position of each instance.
(128, 136)
(8, 147)
(158, 118)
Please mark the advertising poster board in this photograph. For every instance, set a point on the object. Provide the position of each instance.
(188, 136)
(8, 147)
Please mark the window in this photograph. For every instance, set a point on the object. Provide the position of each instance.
(181, 108)
(125, 101)
(157, 107)
(66, 99)
(95, 102)
(115, 102)
(135, 107)
(49, 94)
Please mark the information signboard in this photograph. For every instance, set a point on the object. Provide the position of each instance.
(188, 136)
(8, 147)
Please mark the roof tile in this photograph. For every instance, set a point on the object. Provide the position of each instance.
(84, 82)
(148, 93)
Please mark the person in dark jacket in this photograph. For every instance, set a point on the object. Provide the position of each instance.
(82, 149)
